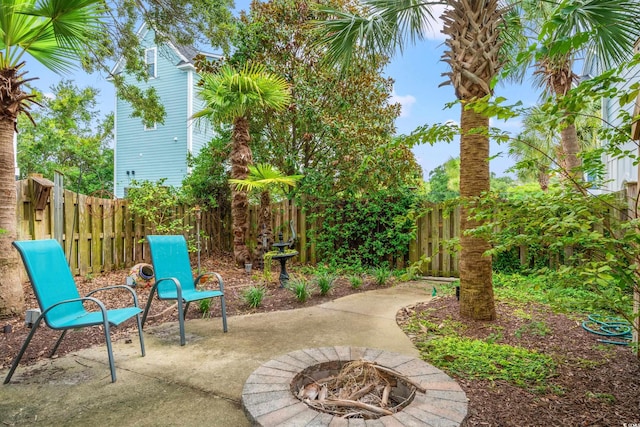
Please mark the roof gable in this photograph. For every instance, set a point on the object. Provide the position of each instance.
(185, 54)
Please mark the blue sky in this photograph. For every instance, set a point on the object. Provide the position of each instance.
(417, 74)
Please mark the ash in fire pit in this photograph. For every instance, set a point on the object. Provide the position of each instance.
(280, 391)
(357, 389)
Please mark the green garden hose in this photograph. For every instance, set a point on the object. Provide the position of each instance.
(611, 327)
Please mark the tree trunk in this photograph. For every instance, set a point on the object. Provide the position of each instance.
(473, 29)
(11, 295)
(241, 158)
(476, 288)
(570, 150)
(265, 232)
(561, 77)
(543, 178)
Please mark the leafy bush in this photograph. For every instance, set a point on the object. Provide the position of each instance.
(325, 282)
(587, 245)
(366, 231)
(381, 275)
(159, 205)
(300, 288)
(254, 295)
(356, 281)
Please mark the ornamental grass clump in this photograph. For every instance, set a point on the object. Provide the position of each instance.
(356, 281)
(325, 282)
(254, 295)
(381, 275)
(301, 288)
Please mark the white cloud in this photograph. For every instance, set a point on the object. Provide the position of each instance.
(434, 31)
(405, 101)
(49, 95)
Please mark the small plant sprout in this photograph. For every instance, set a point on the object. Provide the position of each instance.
(205, 307)
(300, 288)
(254, 295)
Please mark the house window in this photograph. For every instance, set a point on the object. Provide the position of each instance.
(151, 59)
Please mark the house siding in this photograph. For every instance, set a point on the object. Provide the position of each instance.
(161, 152)
(620, 171)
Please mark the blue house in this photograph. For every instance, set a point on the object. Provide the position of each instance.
(622, 172)
(160, 150)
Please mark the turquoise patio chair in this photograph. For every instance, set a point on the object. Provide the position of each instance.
(61, 305)
(174, 280)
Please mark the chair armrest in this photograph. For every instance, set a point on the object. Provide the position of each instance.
(101, 306)
(212, 273)
(127, 288)
(175, 281)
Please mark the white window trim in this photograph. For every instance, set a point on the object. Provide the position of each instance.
(155, 61)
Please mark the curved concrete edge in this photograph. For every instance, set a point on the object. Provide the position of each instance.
(268, 401)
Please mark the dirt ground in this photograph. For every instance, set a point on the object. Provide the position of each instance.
(594, 385)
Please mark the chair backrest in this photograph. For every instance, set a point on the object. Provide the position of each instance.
(170, 258)
(50, 277)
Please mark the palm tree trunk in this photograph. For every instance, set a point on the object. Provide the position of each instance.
(570, 150)
(11, 294)
(241, 158)
(265, 232)
(476, 288)
(472, 27)
(560, 80)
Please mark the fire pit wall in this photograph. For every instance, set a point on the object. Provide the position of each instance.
(269, 396)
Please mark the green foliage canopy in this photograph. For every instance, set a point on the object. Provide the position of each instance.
(70, 137)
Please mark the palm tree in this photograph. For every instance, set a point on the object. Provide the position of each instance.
(265, 177)
(230, 96)
(537, 148)
(602, 32)
(472, 28)
(54, 33)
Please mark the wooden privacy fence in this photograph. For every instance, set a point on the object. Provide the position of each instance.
(102, 235)
(435, 227)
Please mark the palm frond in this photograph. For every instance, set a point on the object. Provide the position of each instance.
(230, 93)
(263, 176)
(381, 28)
(610, 27)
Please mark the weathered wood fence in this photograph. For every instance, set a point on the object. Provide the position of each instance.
(101, 234)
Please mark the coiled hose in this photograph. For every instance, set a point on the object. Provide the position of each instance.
(610, 327)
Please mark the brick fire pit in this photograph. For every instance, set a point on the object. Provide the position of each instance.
(268, 399)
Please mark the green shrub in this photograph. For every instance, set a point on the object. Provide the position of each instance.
(356, 281)
(300, 288)
(325, 282)
(254, 295)
(381, 275)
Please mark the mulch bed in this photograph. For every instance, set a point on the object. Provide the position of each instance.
(236, 281)
(594, 385)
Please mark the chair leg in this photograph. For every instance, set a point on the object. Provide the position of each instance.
(55, 347)
(223, 308)
(148, 306)
(22, 350)
(181, 322)
(107, 336)
(140, 334)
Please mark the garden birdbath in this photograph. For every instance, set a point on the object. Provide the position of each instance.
(283, 256)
